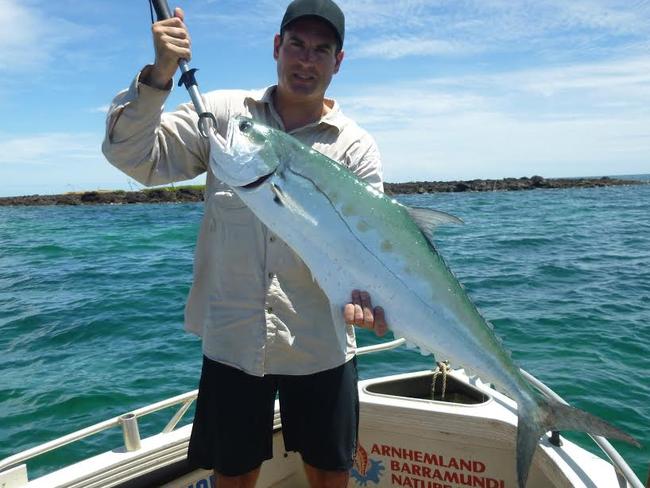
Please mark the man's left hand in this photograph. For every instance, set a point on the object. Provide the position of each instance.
(361, 313)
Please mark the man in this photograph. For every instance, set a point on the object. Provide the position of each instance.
(266, 326)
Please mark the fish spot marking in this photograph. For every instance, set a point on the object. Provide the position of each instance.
(386, 246)
(363, 226)
(348, 210)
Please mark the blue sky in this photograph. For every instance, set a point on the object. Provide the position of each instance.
(451, 89)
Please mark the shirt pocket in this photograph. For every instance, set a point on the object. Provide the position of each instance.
(239, 238)
(224, 205)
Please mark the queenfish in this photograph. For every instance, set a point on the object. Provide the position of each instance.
(352, 236)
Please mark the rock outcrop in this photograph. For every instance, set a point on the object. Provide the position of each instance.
(505, 184)
(195, 194)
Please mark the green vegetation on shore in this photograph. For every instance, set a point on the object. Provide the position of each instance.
(181, 188)
(194, 193)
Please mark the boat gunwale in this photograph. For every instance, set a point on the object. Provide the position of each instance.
(186, 399)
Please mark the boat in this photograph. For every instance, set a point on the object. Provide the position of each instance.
(438, 428)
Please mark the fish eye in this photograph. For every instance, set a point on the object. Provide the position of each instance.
(245, 126)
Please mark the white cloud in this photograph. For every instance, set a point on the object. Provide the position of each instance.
(408, 105)
(552, 27)
(494, 145)
(56, 163)
(395, 16)
(399, 47)
(29, 39)
(589, 119)
(227, 18)
(59, 162)
(614, 16)
(619, 75)
(49, 149)
(102, 109)
(582, 87)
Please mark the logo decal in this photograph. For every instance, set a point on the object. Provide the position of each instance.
(366, 469)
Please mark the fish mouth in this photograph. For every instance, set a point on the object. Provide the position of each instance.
(258, 182)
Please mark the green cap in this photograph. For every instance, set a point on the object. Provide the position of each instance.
(323, 9)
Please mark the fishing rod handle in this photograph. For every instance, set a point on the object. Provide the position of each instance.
(163, 12)
(205, 118)
(162, 9)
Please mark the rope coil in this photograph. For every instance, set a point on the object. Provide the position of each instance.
(441, 370)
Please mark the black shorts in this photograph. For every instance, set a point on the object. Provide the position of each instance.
(233, 423)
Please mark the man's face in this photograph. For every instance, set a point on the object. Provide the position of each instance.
(306, 58)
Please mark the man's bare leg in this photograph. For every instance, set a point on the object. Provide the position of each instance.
(246, 480)
(319, 478)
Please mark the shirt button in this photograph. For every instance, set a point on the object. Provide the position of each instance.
(272, 238)
(269, 309)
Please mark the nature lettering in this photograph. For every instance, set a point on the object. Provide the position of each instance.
(417, 469)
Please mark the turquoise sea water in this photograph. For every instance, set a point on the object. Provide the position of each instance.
(91, 307)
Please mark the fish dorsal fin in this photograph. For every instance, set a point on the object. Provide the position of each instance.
(427, 219)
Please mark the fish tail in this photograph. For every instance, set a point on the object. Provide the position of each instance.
(545, 414)
(528, 433)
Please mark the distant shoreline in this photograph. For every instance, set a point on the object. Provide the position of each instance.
(195, 193)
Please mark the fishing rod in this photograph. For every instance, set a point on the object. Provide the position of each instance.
(206, 119)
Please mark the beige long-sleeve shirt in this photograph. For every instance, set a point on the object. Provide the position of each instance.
(253, 300)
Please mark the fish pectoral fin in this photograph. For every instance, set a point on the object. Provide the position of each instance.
(427, 219)
(284, 200)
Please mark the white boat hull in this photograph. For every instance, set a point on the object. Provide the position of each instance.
(405, 440)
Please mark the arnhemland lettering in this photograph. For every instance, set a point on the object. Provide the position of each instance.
(468, 465)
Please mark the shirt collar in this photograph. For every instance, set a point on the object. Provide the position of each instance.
(333, 118)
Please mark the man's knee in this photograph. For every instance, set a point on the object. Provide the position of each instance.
(246, 480)
(320, 478)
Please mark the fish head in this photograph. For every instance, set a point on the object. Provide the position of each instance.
(246, 158)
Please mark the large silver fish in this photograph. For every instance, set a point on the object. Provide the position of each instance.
(352, 236)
